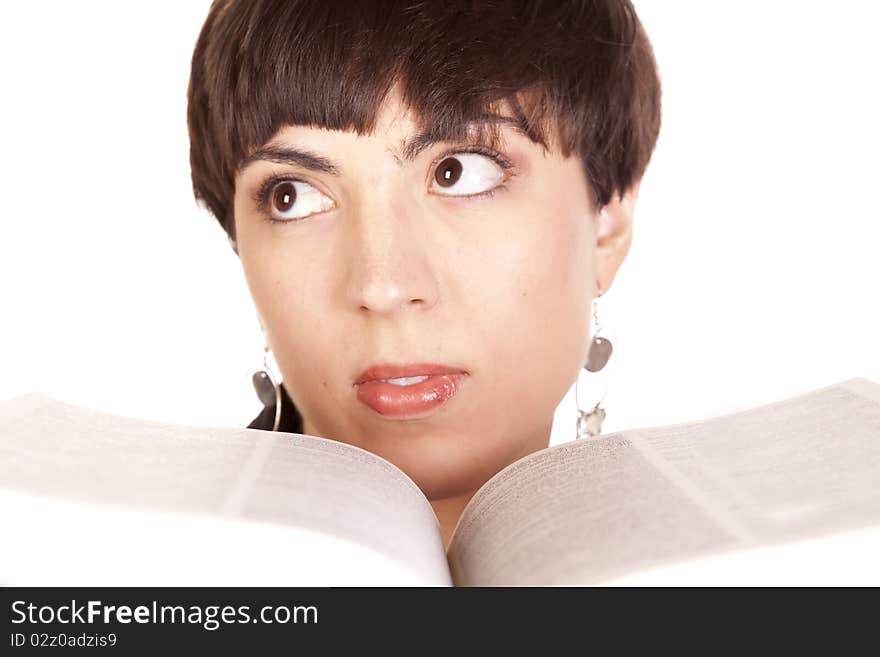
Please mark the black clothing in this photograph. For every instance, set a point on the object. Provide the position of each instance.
(291, 420)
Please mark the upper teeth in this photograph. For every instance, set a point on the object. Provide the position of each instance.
(405, 381)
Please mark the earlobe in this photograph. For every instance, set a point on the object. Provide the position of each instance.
(614, 235)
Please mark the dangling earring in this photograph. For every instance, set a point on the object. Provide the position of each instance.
(590, 424)
(268, 389)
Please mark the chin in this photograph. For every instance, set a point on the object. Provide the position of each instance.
(439, 481)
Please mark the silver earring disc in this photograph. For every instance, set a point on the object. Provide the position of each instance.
(600, 352)
(264, 388)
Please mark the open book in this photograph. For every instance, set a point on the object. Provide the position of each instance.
(90, 498)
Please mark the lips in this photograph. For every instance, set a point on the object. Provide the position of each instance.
(408, 401)
(388, 371)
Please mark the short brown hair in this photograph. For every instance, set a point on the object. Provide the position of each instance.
(582, 71)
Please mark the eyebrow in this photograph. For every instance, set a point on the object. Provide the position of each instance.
(278, 153)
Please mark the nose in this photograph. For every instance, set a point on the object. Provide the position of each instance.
(389, 257)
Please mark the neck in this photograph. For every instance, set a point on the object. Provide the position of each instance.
(448, 511)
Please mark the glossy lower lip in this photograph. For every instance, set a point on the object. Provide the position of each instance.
(417, 400)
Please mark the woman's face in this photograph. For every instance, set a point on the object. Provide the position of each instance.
(387, 260)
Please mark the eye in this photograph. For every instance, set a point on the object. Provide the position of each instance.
(291, 200)
(467, 174)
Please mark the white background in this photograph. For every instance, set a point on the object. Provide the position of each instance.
(752, 276)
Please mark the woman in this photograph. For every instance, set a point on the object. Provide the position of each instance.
(426, 198)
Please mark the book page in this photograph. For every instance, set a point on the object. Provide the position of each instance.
(329, 504)
(589, 511)
(790, 468)
(837, 559)
(50, 541)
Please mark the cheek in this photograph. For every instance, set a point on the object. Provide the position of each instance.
(536, 307)
(286, 289)
(541, 276)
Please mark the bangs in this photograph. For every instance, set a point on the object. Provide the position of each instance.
(578, 76)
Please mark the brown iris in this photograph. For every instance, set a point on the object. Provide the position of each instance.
(284, 196)
(448, 172)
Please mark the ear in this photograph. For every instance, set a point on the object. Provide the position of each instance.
(614, 235)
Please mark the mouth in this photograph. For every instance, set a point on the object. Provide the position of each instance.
(408, 391)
